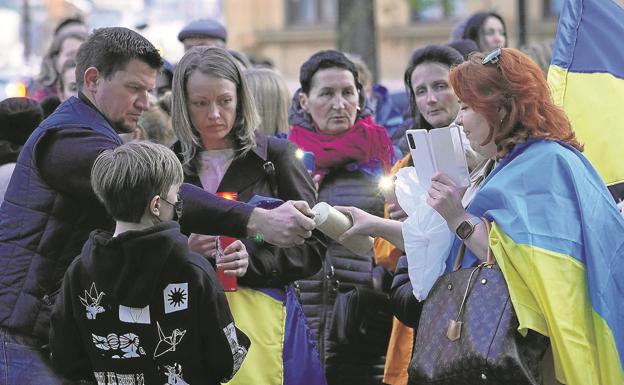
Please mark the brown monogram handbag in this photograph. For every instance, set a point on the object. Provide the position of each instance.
(468, 332)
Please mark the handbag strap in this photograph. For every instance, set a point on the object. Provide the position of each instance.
(269, 171)
(489, 259)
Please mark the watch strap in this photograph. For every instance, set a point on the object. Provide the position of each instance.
(472, 222)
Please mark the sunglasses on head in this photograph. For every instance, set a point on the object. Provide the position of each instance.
(492, 57)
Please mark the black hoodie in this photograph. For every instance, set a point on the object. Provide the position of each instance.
(141, 308)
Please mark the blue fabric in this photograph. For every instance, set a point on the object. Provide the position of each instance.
(391, 111)
(24, 362)
(302, 365)
(566, 209)
(276, 294)
(41, 230)
(583, 43)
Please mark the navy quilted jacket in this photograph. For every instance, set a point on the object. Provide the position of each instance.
(50, 209)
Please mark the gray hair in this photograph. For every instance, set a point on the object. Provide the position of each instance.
(272, 98)
(216, 62)
(126, 178)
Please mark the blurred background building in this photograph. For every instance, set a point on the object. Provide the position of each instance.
(289, 31)
(282, 32)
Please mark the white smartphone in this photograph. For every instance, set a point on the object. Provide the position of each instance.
(439, 150)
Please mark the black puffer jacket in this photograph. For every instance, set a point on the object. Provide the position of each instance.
(318, 293)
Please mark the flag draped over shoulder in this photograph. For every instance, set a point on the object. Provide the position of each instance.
(557, 237)
(586, 77)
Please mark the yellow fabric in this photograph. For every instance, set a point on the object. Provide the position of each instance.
(550, 295)
(386, 254)
(593, 103)
(263, 319)
(399, 351)
(399, 354)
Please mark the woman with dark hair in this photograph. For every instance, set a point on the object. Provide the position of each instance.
(487, 29)
(432, 100)
(351, 153)
(215, 120)
(556, 232)
(433, 104)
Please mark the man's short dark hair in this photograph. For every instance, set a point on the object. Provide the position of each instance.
(322, 60)
(110, 49)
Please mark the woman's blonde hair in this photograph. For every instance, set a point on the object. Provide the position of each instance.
(272, 98)
(219, 63)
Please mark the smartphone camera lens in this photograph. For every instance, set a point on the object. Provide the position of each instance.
(410, 139)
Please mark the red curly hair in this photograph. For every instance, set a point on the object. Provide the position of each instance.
(517, 85)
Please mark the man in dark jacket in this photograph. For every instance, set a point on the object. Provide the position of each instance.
(50, 208)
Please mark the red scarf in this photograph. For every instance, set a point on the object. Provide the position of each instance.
(364, 143)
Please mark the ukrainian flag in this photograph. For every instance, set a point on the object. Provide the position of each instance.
(586, 77)
(559, 241)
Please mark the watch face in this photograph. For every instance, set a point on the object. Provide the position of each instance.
(464, 229)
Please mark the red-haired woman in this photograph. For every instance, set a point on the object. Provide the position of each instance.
(556, 232)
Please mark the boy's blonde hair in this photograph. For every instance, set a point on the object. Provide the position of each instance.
(126, 178)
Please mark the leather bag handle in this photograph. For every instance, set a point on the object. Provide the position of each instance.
(489, 259)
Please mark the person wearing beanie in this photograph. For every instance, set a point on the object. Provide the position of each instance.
(208, 32)
(18, 119)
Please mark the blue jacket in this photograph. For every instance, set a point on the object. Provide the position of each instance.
(42, 229)
(50, 209)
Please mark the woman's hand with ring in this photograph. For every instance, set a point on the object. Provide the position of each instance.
(235, 259)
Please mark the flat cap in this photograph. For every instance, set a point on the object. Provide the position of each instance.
(203, 28)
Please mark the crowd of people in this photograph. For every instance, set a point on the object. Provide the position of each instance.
(113, 182)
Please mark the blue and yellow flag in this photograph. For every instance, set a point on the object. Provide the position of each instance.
(586, 77)
(283, 349)
(559, 241)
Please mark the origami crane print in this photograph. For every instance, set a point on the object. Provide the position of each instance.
(91, 302)
(167, 344)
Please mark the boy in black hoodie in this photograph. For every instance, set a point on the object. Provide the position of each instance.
(137, 307)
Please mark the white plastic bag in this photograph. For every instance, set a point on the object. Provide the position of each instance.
(426, 235)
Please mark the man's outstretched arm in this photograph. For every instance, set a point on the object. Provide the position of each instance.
(205, 213)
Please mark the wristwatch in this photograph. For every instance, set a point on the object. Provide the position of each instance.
(466, 228)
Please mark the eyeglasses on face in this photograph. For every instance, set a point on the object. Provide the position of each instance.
(492, 57)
